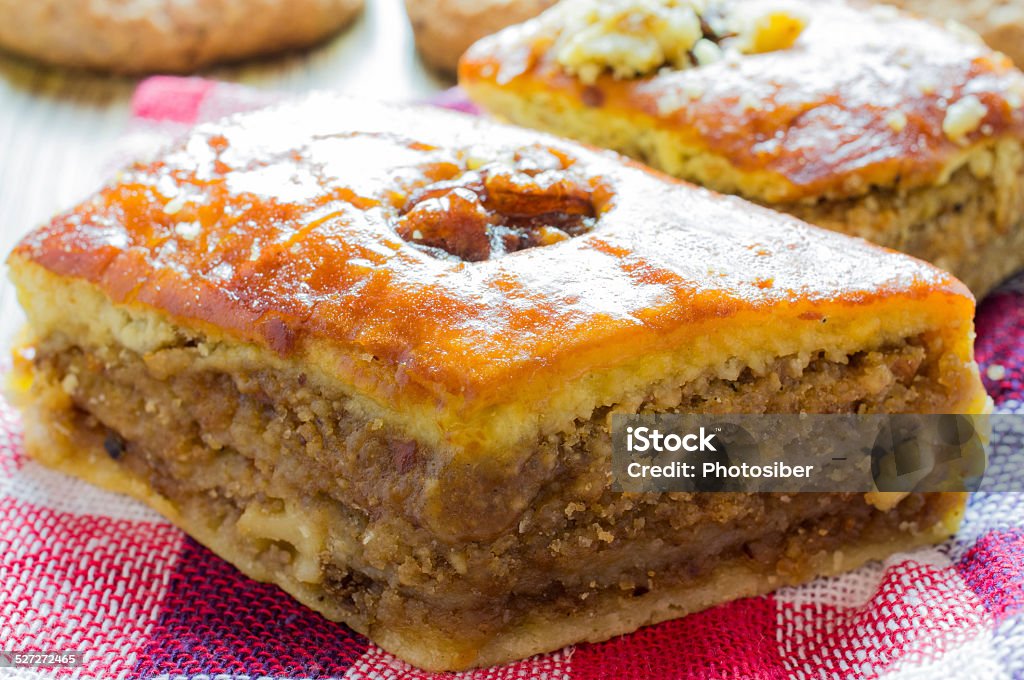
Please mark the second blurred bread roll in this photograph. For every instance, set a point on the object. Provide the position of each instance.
(444, 29)
(168, 36)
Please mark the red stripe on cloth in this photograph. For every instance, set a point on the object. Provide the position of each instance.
(994, 569)
(918, 613)
(215, 620)
(80, 582)
(1000, 329)
(170, 99)
(736, 640)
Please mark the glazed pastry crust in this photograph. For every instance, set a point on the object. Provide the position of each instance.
(444, 29)
(684, 265)
(169, 36)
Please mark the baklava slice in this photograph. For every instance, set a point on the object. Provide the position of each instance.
(861, 120)
(371, 355)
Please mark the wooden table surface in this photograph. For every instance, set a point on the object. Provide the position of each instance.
(59, 128)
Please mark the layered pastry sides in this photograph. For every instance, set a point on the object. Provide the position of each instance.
(862, 120)
(377, 368)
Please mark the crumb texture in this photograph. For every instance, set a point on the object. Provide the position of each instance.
(284, 477)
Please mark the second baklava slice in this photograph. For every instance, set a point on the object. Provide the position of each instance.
(865, 121)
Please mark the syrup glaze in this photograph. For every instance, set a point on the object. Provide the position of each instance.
(282, 226)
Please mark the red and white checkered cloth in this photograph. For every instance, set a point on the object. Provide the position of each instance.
(88, 570)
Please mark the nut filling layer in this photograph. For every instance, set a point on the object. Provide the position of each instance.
(264, 460)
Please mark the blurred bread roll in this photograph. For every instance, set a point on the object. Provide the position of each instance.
(444, 29)
(173, 36)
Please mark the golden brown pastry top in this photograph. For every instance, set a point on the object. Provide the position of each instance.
(864, 98)
(454, 257)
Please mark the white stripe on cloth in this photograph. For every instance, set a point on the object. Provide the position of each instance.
(1009, 645)
(974, 660)
(58, 492)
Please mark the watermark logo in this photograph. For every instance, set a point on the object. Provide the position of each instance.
(799, 452)
(643, 439)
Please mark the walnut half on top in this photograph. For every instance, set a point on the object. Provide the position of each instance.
(533, 198)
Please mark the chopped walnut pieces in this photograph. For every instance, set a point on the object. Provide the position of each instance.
(519, 194)
(896, 120)
(964, 117)
(635, 38)
(534, 198)
(455, 221)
